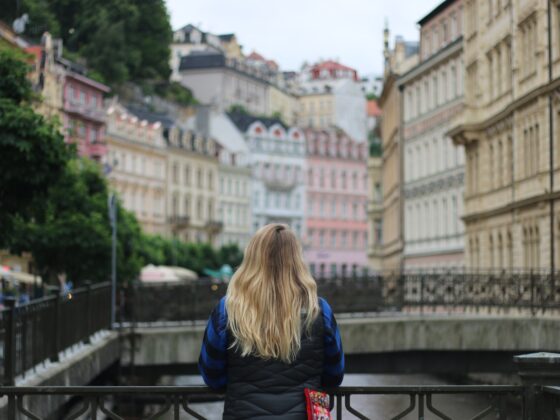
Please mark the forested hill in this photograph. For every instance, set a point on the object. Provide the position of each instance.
(119, 40)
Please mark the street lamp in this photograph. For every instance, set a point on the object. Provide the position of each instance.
(112, 204)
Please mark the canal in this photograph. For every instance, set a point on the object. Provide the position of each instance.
(460, 407)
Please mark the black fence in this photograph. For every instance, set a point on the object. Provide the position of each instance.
(38, 331)
(503, 402)
(530, 292)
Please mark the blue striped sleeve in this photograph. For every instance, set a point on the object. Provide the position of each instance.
(333, 368)
(212, 360)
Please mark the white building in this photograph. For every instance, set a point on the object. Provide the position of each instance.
(334, 103)
(277, 158)
(234, 176)
(432, 97)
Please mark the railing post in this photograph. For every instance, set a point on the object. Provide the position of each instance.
(56, 325)
(10, 342)
(537, 370)
(88, 311)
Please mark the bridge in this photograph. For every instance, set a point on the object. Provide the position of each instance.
(416, 322)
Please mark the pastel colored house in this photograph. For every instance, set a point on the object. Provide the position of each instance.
(336, 239)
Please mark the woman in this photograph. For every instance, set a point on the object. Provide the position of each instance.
(271, 336)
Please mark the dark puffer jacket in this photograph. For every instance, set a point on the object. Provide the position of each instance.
(270, 389)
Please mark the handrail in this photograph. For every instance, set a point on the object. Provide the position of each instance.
(173, 399)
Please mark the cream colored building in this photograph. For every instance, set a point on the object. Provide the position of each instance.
(334, 103)
(137, 161)
(434, 169)
(511, 212)
(192, 167)
(397, 61)
(375, 207)
(234, 175)
(284, 103)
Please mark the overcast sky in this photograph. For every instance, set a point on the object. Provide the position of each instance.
(292, 31)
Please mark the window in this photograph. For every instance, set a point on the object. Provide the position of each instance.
(93, 135)
(81, 130)
(333, 239)
(256, 199)
(378, 229)
(199, 178)
(187, 206)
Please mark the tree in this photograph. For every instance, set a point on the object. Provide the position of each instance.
(73, 234)
(231, 255)
(33, 148)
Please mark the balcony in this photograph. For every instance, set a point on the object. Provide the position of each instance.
(178, 223)
(73, 106)
(96, 150)
(214, 226)
(280, 184)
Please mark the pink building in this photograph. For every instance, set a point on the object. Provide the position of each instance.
(336, 219)
(83, 113)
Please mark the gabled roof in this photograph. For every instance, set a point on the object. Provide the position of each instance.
(439, 8)
(202, 60)
(244, 121)
(226, 37)
(152, 117)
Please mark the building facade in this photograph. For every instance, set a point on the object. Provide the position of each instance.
(70, 96)
(192, 185)
(432, 98)
(220, 81)
(402, 57)
(137, 161)
(336, 239)
(325, 104)
(234, 173)
(375, 191)
(277, 158)
(509, 132)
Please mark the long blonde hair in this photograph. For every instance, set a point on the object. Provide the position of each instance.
(269, 294)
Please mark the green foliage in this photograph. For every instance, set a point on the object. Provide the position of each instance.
(175, 92)
(371, 96)
(35, 148)
(71, 235)
(238, 109)
(121, 39)
(161, 251)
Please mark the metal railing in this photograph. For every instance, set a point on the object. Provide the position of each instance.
(38, 331)
(173, 401)
(529, 292)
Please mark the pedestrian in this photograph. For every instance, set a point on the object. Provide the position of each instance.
(271, 337)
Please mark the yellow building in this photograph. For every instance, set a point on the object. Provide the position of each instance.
(192, 186)
(403, 57)
(284, 103)
(137, 159)
(316, 110)
(512, 63)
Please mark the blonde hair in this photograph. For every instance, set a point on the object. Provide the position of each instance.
(269, 295)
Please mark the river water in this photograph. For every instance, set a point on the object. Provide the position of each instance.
(459, 407)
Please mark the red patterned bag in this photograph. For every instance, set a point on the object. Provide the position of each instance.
(317, 403)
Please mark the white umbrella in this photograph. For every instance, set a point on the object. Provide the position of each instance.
(155, 274)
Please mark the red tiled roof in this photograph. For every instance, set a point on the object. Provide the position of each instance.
(373, 109)
(332, 65)
(256, 56)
